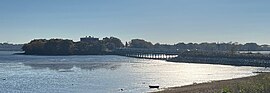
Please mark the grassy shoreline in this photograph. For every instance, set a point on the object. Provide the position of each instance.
(254, 84)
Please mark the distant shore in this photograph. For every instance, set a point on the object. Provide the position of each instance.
(224, 58)
(253, 84)
(61, 54)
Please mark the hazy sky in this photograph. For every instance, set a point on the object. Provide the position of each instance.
(164, 21)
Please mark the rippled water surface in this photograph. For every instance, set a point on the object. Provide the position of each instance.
(104, 74)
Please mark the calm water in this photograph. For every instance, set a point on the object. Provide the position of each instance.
(104, 74)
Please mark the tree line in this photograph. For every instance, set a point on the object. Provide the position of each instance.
(230, 46)
(69, 47)
(108, 44)
(10, 47)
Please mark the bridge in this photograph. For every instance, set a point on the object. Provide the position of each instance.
(162, 54)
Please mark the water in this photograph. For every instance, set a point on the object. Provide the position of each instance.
(262, 52)
(104, 74)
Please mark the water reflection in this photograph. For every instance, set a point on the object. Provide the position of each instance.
(105, 74)
(67, 66)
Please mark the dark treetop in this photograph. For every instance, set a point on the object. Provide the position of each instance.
(91, 45)
(68, 47)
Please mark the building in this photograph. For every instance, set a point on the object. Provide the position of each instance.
(89, 39)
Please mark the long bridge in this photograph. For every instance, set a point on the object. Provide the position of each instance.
(162, 54)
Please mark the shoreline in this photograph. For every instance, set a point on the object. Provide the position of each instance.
(226, 58)
(255, 60)
(251, 84)
(216, 86)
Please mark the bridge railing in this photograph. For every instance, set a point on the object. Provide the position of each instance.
(147, 53)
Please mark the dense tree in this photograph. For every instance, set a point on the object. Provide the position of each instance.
(84, 48)
(139, 43)
(68, 47)
(34, 47)
(108, 45)
(112, 43)
(49, 47)
(250, 46)
(59, 47)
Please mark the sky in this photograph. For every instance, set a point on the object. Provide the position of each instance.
(163, 21)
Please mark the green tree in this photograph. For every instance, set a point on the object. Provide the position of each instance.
(112, 43)
(59, 47)
(49, 47)
(34, 47)
(140, 43)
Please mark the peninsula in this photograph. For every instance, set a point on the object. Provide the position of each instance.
(207, 53)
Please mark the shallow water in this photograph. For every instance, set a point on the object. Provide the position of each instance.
(104, 74)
